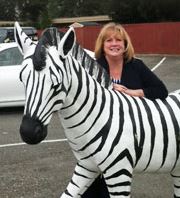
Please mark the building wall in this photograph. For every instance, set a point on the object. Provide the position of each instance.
(151, 38)
(162, 38)
(147, 38)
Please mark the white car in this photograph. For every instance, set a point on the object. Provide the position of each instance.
(11, 88)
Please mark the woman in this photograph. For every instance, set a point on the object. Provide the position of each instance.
(114, 51)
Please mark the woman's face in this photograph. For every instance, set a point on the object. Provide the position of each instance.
(114, 45)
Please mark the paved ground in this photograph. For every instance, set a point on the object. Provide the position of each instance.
(43, 171)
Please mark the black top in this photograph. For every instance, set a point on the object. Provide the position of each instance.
(136, 75)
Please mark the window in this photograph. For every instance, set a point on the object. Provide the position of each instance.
(3, 35)
(7, 34)
(11, 56)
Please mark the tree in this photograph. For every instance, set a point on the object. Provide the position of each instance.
(54, 8)
(8, 10)
(40, 12)
(89, 8)
(170, 10)
(122, 11)
(62, 8)
(138, 11)
(76, 8)
(34, 11)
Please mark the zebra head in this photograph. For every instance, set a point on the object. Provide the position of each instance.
(43, 77)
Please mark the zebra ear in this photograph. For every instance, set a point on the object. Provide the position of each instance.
(22, 40)
(66, 44)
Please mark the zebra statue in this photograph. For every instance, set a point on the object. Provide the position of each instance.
(110, 133)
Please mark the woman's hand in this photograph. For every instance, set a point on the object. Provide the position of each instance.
(119, 88)
(135, 92)
(130, 92)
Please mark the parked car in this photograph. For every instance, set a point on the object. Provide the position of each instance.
(7, 34)
(11, 88)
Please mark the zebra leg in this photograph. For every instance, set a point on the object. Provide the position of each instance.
(119, 182)
(81, 180)
(176, 179)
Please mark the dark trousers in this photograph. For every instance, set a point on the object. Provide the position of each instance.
(98, 189)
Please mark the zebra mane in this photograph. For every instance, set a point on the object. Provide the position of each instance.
(92, 66)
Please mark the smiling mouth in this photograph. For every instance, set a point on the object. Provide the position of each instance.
(115, 49)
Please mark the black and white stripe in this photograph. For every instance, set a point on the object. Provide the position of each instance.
(109, 132)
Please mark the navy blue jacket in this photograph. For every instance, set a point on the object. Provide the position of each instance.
(136, 75)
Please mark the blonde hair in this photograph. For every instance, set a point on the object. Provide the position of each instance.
(120, 32)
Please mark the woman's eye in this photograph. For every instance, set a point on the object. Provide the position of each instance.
(118, 39)
(108, 39)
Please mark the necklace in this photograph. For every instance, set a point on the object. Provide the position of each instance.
(116, 81)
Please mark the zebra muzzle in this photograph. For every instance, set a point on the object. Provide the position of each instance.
(32, 131)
